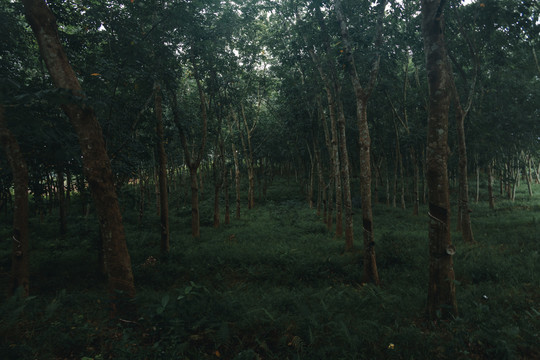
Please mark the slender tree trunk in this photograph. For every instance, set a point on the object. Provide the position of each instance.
(320, 184)
(195, 221)
(142, 191)
(490, 187)
(96, 163)
(528, 175)
(477, 181)
(251, 170)
(61, 201)
(441, 289)
(236, 180)
(370, 264)
(68, 190)
(20, 270)
(464, 218)
(395, 183)
(387, 188)
(345, 176)
(362, 96)
(227, 203)
(311, 178)
(162, 174)
(193, 158)
(416, 181)
(402, 176)
(337, 177)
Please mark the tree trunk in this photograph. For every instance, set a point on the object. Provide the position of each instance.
(227, 203)
(528, 175)
(345, 176)
(193, 159)
(490, 187)
(395, 183)
(195, 221)
(477, 181)
(464, 218)
(362, 96)
(337, 175)
(20, 270)
(142, 186)
(96, 163)
(236, 180)
(61, 201)
(311, 178)
(320, 184)
(441, 289)
(162, 175)
(251, 170)
(370, 264)
(416, 182)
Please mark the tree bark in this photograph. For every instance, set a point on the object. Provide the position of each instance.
(20, 269)
(441, 289)
(162, 174)
(96, 163)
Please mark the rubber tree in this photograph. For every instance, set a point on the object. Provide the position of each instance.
(96, 163)
(362, 94)
(441, 289)
(20, 268)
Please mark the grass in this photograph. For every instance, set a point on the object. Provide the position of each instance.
(275, 284)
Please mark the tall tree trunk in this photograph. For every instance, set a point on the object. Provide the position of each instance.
(61, 201)
(311, 177)
(345, 176)
(415, 182)
(328, 188)
(162, 174)
(364, 140)
(320, 184)
(477, 180)
(337, 173)
(20, 270)
(441, 289)
(370, 264)
(96, 163)
(464, 218)
(195, 216)
(219, 174)
(331, 86)
(250, 165)
(490, 186)
(236, 180)
(68, 190)
(527, 174)
(227, 203)
(193, 158)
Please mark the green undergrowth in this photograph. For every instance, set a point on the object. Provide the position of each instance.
(276, 284)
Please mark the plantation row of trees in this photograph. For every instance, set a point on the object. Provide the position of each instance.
(100, 95)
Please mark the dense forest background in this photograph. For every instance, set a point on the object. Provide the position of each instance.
(269, 179)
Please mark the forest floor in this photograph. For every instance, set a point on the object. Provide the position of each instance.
(276, 284)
